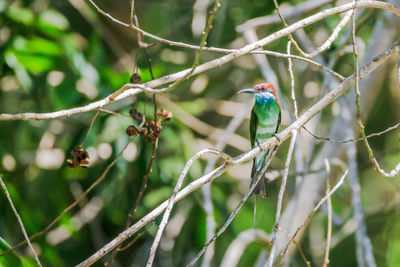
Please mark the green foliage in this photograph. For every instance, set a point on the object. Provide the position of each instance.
(53, 57)
(9, 260)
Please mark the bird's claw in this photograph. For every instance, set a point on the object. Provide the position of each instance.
(277, 137)
(259, 145)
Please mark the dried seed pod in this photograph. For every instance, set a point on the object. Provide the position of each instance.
(79, 158)
(136, 115)
(135, 78)
(165, 114)
(132, 130)
(143, 131)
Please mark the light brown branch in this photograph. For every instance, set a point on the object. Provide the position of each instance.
(391, 128)
(71, 206)
(283, 135)
(280, 197)
(21, 224)
(135, 89)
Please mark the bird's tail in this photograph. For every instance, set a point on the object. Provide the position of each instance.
(261, 187)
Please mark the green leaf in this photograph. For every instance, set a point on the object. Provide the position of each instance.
(36, 55)
(21, 15)
(20, 72)
(37, 45)
(36, 64)
(11, 259)
(52, 22)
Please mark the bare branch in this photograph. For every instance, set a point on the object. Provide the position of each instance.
(289, 12)
(147, 87)
(341, 180)
(71, 206)
(398, 70)
(372, 158)
(237, 247)
(293, 94)
(90, 127)
(171, 201)
(391, 128)
(296, 45)
(334, 35)
(329, 230)
(364, 250)
(235, 211)
(283, 135)
(280, 196)
(206, 189)
(21, 224)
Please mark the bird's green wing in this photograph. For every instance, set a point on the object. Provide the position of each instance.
(279, 120)
(253, 125)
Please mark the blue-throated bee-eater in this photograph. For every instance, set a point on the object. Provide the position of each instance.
(264, 123)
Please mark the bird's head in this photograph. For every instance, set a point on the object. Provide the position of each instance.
(262, 92)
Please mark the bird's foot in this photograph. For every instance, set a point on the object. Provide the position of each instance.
(278, 138)
(259, 145)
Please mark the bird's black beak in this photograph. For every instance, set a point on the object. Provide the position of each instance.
(247, 90)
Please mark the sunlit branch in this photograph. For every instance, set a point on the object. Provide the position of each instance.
(20, 222)
(283, 135)
(148, 87)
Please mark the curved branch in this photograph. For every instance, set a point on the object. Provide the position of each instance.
(237, 247)
(136, 89)
(283, 135)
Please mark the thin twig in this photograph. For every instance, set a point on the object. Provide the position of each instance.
(293, 94)
(361, 233)
(364, 251)
(212, 49)
(138, 200)
(238, 245)
(398, 70)
(280, 197)
(307, 262)
(296, 45)
(134, 21)
(137, 88)
(283, 135)
(90, 127)
(371, 156)
(206, 189)
(21, 224)
(341, 180)
(135, 239)
(333, 36)
(329, 230)
(235, 211)
(391, 128)
(71, 206)
(196, 59)
(113, 113)
(289, 12)
(177, 188)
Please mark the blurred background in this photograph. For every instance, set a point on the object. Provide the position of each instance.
(61, 54)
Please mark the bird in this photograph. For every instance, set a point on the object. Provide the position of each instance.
(264, 123)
